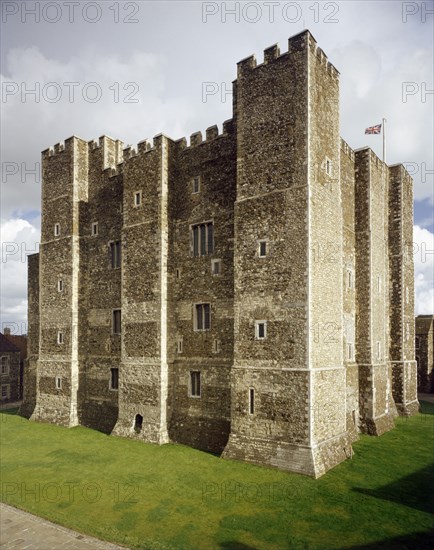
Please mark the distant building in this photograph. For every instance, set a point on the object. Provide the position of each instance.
(9, 371)
(425, 353)
(20, 341)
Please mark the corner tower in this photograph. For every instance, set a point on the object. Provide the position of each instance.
(288, 384)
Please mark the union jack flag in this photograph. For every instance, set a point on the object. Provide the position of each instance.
(373, 129)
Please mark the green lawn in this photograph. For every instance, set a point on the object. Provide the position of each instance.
(144, 496)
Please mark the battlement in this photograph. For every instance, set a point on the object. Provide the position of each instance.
(346, 149)
(296, 43)
(58, 148)
(211, 134)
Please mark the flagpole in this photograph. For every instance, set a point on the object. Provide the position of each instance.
(384, 140)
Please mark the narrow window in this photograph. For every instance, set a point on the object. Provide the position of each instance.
(94, 229)
(216, 346)
(56, 229)
(196, 184)
(137, 198)
(195, 383)
(138, 423)
(115, 254)
(58, 383)
(251, 401)
(60, 285)
(203, 316)
(216, 267)
(5, 365)
(262, 252)
(260, 330)
(114, 379)
(116, 321)
(417, 342)
(350, 278)
(60, 337)
(203, 239)
(179, 345)
(378, 350)
(328, 167)
(178, 273)
(5, 391)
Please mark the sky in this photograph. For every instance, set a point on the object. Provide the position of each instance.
(132, 70)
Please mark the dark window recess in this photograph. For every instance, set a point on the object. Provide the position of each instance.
(203, 239)
(251, 401)
(114, 381)
(138, 423)
(195, 383)
(117, 321)
(262, 248)
(261, 330)
(203, 316)
(115, 254)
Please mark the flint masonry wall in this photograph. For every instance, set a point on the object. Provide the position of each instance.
(347, 178)
(203, 422)
(100, 285)
(30, 366)
(425, 353)
(401, 277)
(277, 173)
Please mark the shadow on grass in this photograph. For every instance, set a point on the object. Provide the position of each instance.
(234, 545)
(416, 541)
(414, 490)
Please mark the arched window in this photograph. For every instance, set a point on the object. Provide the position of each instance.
(138, 423)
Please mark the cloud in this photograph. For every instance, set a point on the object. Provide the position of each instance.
(423, 242)
(18, 238)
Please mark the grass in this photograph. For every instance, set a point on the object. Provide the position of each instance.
(145, 496)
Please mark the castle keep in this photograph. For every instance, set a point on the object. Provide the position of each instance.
(248, 293)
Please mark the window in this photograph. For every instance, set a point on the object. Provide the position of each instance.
(262, 250)
(216, 267)
(178, 273)
(202, 239)
(114, 379)
(194, 383)
(116, 326)
(137, 198)
(60, 337)
(202, 316)
(94, 229)
(350, 351)
(350, 281)
(417, 342)
(328, 167)
(56, 229)
(378, 351)
(4, 365)
(196, 184)
(58, 383)
(260, 330)
(115, 254)
(179, 345)
(5, 391)
(251, 401)
(216, 346)
(60, 285)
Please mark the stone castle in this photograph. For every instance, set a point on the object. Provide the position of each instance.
(247, 294)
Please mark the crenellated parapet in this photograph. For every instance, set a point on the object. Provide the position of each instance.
(346, 149)
(296, 43)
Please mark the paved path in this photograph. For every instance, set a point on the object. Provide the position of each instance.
(21, 530)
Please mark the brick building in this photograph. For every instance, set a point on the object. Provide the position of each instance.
(425, 353)
(9, 371)
(246, 293)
